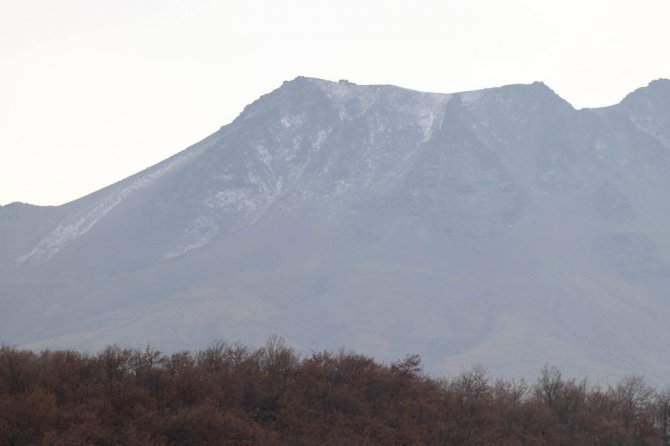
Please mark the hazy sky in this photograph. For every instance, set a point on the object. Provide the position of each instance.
(92, 91)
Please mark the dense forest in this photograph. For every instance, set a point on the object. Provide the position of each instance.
(228, 394)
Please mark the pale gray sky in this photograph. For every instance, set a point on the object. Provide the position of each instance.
(92, 91)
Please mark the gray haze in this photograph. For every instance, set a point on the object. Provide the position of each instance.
(500, 227)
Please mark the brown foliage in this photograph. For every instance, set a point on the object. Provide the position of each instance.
(230, 395)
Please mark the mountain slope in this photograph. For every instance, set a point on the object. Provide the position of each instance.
(499, 226)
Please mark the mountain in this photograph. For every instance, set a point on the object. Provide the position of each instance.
(500, 227)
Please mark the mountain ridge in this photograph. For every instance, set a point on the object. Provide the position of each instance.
(659, 81)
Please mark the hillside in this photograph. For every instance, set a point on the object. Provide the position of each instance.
(500, 227)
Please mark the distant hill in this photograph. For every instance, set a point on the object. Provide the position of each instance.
(500, 227)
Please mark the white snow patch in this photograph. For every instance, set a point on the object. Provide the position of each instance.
(292, 120)
(290, 152)
(236, 199)
(429, 112)
(197, 234)
(321, 136)
(645, 125)
(82, 222)
(340, 93)
(264, 155)
(427, 107)
(250, 202)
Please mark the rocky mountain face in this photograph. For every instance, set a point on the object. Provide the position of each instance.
(500, 227)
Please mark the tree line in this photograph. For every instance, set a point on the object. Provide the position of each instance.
(228, 394)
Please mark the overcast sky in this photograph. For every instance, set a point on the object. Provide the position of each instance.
(92, 91)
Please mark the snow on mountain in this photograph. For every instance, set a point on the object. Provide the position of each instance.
(500, 227)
